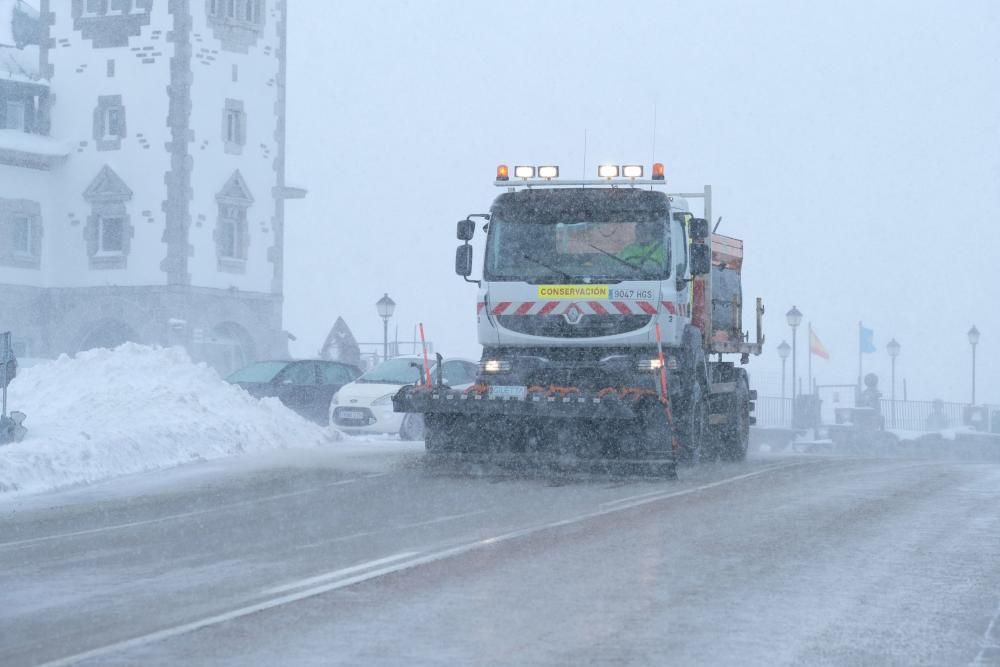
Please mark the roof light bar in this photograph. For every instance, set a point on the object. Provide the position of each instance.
(608, 171)
(524, 171)
(548, 171)
(632, 171)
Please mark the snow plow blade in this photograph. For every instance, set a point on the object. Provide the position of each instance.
(445, 401)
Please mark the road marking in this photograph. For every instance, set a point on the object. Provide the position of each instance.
(366, 533)
(169, 517)
(643, 498)
(990, 644)
(336, 574)
(390, 568)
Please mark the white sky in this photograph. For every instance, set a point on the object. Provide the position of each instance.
(855, 146)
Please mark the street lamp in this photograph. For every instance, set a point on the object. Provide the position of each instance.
(794, 320)
(973, 341)
(385, 307)
(783, 350)
(893, 349)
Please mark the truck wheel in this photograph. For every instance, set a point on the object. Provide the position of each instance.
(654, 447)
(735, 435)
(690, 424)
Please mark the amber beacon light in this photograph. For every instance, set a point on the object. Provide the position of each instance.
(503, 173)
(658, 174)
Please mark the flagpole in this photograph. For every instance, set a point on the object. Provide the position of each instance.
(859, 358)
(810, 357)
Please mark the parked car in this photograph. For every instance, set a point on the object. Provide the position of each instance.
(305, 385)
(365, 405)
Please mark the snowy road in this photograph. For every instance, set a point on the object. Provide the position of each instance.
(381, 561)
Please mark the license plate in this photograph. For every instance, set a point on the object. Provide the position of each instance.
(518, 392)
(352, 414)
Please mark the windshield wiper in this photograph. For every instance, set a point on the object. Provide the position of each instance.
(547, 266)
(617, 258)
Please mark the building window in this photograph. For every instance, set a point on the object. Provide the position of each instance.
(24, 236)
(20, 233)
(110, 23)
(232, 234)
(234, 130)
(14, 117)
(234, 126)
(111, 237)
(232, 231)
(109, 230)
(236, 23)
(95, 8)
(113, 122)
(109, 122)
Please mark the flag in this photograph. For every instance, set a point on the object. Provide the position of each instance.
(815, 346)
(866, 340)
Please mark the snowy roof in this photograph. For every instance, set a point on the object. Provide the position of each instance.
(31, 150)
(19, 55)
(36, 144)
(20, 64)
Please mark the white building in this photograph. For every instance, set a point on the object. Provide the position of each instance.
(142, 180)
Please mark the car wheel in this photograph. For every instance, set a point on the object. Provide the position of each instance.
(412, 427)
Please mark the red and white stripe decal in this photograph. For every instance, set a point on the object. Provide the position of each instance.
(600, 308)
(548, 307)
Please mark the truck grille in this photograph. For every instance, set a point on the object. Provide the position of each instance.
(589, 326)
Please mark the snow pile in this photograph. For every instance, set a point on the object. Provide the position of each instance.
(106, 413)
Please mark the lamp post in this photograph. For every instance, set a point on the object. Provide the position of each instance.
(973, 341)
(783, 350)
(794, 318)
(385, 307)
(893, 349)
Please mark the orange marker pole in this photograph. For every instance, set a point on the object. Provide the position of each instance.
(665, 389)
(427, 365)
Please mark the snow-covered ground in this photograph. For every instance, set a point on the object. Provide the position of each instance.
(107, 413)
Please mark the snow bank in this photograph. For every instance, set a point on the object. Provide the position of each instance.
(106, 413)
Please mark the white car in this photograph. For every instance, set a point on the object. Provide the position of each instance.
(365, 405)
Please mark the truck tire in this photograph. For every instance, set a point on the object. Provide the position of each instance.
(690, 424)
(734, 436)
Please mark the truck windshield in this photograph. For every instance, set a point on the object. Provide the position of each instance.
(566, 251)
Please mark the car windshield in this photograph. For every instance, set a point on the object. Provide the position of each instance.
(262, 371)
(403, 370)
(578, 249)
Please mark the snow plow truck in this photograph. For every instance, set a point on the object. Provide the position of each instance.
(606, 311)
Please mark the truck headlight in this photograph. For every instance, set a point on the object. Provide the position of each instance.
(494, 366)
(654, 364)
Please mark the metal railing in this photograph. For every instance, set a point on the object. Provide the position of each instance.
(775, 412)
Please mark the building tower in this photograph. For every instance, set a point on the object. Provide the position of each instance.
(142, 175)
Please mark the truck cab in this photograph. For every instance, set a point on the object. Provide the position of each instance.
(591, 310)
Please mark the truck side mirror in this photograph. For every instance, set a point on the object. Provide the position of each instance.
(698, 229)
(463, 260)
(466, 229)
(701, 259)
